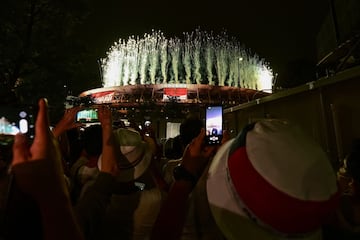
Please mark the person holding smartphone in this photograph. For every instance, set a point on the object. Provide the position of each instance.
(187, 178)
(251, 187)
(183, 213)
(38, 173)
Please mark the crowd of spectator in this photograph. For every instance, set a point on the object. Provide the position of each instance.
(109, 181)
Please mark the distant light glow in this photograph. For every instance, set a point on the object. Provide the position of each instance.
(265, 79)
(22, 114)
(172, 129)
(8, 128)
(24, 126)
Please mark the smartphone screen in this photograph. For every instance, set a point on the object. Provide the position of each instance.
(214, 125)
(14, 120)
(89, 115)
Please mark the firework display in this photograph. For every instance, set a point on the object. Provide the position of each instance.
(197, 58)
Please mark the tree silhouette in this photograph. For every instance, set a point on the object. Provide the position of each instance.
(39, 55)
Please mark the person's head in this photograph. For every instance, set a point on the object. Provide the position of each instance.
(271, 182)
(92, 140)
(173, 148)
(190, 128)
(134, 155)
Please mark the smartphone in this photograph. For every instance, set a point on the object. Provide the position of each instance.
(16, 119)
(214, 125)
(89, 115)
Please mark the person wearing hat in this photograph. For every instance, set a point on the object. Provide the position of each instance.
(270, 182)
(124, 200)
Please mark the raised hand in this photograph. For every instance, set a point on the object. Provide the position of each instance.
(197, 155)
(226, 137)
(38, 172)
(68, 121)
(109, 151)
(44, 150)
(105, 116)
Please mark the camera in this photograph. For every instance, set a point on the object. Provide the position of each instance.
(16, 119)
(88, 115)
(214, 125)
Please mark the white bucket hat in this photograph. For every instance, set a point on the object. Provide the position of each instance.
(271, 182)
(136, 152)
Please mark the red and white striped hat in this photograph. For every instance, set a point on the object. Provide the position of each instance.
(271, 182)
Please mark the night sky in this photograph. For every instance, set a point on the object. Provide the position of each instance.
(279, 31)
